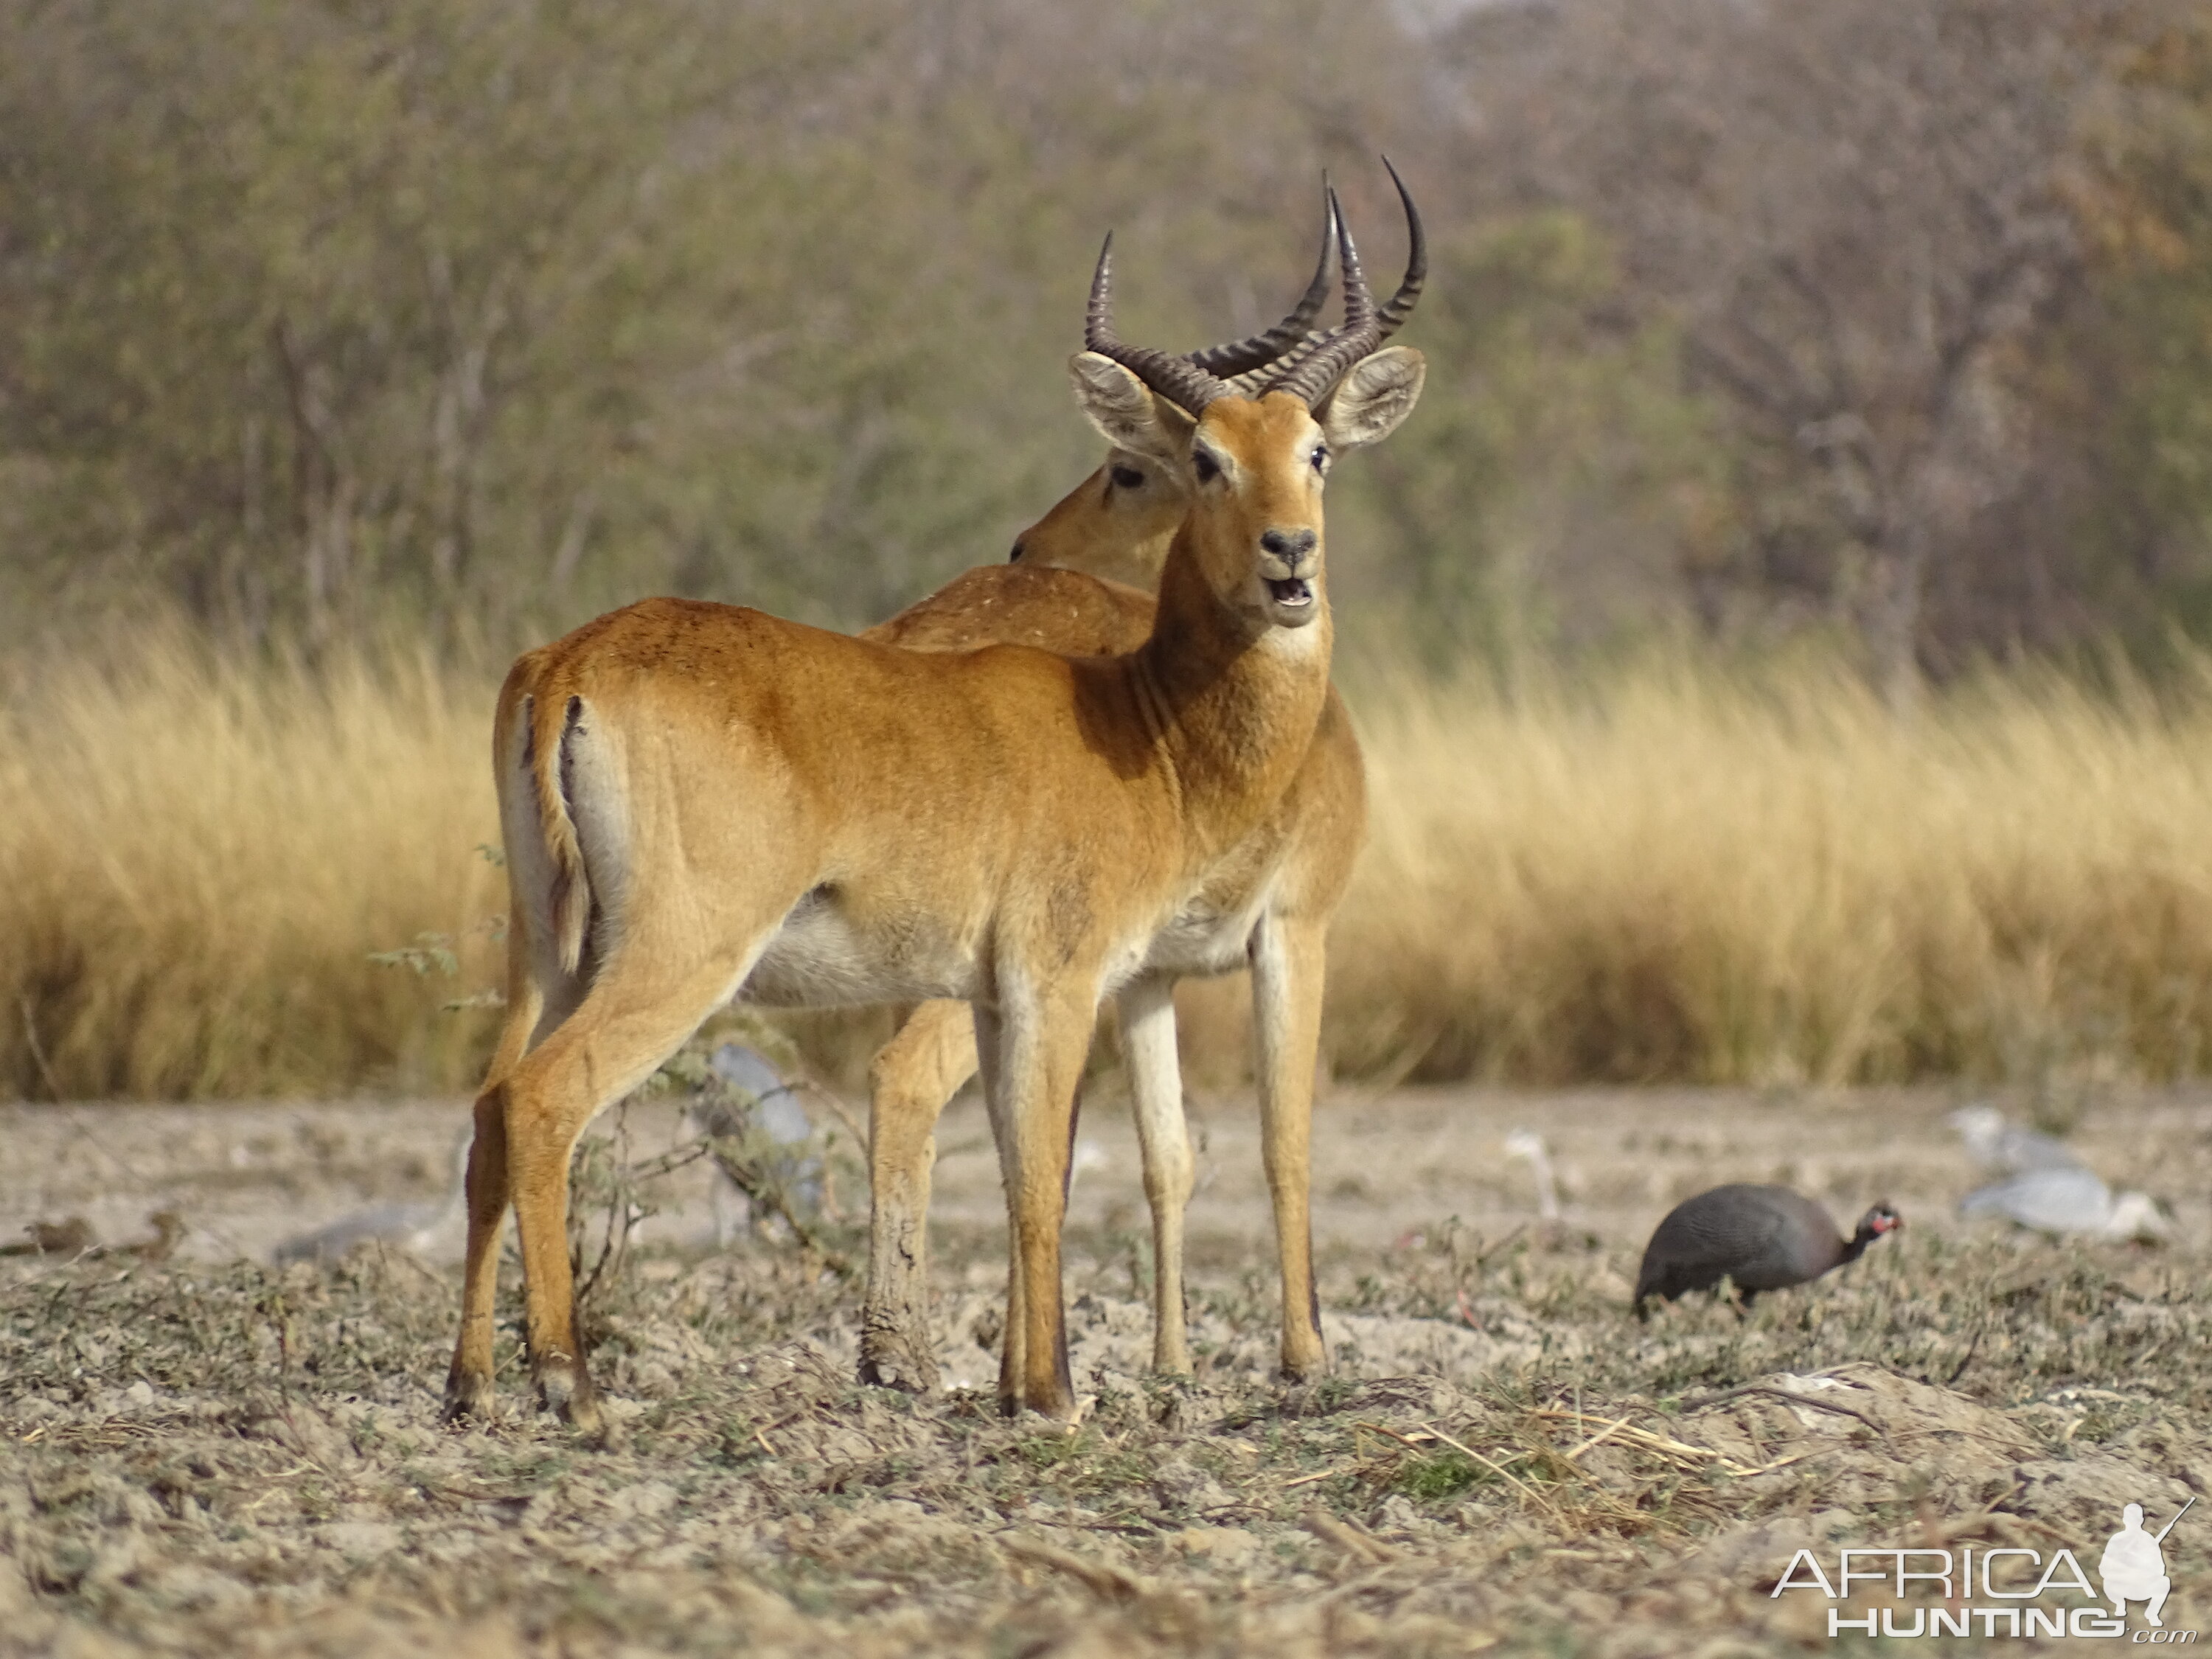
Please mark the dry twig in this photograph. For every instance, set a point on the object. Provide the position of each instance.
(1691, 1408)
(1109, 1583)
(1679, 1451)
(1349, 1539)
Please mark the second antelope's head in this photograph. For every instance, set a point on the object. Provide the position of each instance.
(1243, 454)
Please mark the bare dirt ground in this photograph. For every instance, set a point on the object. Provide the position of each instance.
(203, 1453)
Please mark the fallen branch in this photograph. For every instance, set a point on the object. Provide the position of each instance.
(1330, 1530)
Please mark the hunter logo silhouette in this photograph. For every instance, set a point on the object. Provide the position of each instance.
(2133, 1566)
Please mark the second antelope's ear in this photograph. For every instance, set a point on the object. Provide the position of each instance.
(1125, 411)
(1373, 398)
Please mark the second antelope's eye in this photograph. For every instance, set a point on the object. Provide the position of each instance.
(1205, 466)
(1320, 458)
(1127, 478)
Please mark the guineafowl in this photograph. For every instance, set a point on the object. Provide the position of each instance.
(1761, 1238)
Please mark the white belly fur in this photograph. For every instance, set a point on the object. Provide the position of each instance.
(1201, 941)
(819, 958)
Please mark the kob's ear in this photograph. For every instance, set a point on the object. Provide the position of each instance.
(1375, 394)
(1124, 410)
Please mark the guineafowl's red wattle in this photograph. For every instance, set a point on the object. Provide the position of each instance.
(1759, 1238)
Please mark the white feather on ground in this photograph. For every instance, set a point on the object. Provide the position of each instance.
(1528, 1146)
(2069, 1201)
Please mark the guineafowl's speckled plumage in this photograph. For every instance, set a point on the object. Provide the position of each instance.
(1760, 1238)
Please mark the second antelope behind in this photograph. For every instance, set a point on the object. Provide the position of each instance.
(703, 802)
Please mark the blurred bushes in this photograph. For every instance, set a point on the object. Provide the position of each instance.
(1883, 318)
(316, 314)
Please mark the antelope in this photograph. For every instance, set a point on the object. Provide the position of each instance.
(703, 801)
(1075, 586)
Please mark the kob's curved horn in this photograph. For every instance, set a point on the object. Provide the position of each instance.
(1258, 351)
(1400, 305)
(1178, 380)
(1391, 316)
(1362, 331)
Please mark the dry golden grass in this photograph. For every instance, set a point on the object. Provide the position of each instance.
(1674, 874)
(1768, 877)
(198, 858)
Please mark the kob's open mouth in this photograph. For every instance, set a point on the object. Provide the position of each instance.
(1291, 592)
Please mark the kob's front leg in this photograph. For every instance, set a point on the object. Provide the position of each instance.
(1148, 1047)
(1287, 964)
(1041, 1045)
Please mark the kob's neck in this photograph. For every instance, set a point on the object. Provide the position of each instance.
(1234, 704)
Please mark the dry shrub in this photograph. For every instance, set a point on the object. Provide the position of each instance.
(1672, 872)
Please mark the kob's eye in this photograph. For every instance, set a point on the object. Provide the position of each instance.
(1126, 477)
(1320, 457)
(1205, 466)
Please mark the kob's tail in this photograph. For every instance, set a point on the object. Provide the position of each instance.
(553, 727)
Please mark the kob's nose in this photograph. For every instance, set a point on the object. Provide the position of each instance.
(1291, 544)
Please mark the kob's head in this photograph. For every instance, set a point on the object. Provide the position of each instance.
(1119, 522)
(1251, 462)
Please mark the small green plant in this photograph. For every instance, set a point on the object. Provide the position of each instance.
(1437, 1478)
(1047, 1451)
(439, 954)
(1332, 1392)
(430, 953)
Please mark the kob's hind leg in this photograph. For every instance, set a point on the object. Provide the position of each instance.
(632, 1019)
(469, 1380)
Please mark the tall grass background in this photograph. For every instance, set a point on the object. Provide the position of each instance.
(1666, 871)
(199, 855)
(1764, 876)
